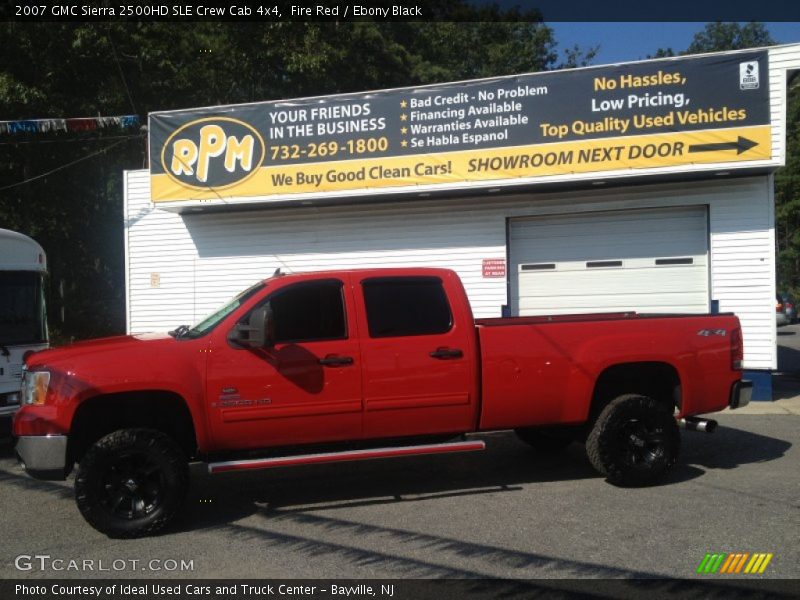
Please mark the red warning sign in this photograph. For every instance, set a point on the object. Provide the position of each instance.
(494, 267)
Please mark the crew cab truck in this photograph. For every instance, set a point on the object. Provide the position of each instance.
(347, 365)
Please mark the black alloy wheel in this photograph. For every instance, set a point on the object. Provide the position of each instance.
(634, 441)
(131, 482)
(133, 486)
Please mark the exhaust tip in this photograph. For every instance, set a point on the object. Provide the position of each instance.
(694, 424)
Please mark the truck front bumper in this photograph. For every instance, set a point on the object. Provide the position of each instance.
(43, 456)
(741, 393)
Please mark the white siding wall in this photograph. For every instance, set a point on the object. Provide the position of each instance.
(742, 224)
(156, 242)
(203, 259)
(781, 60)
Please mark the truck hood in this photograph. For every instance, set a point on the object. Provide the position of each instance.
(131, 345)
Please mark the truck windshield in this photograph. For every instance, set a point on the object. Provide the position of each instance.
(22, 309)
(211, 321)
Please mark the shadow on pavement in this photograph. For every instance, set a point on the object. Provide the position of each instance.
(788, 359)
(6, 447)
(503, 467)
(728, 448)
(785, 385)
(786, 382)
(404, 551)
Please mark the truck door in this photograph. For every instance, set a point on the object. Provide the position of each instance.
(305, 388)
(417, 357)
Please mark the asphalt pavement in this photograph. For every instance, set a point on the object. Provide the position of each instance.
(508, 512)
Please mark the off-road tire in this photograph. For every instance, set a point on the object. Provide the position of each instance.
(544, 440)
(131, 483)
(634, 441)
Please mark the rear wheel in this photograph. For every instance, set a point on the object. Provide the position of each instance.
(634, 442)
(131, 482)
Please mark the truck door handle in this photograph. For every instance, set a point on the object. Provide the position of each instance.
(445, 353)
(333, 360)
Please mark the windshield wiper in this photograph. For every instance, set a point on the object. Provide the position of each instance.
(180, 331)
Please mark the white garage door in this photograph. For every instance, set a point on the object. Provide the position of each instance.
(653, 260)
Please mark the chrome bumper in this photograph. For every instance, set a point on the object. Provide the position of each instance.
(741, 394)
(43, 456)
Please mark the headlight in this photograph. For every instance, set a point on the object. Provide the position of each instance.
(34, 386)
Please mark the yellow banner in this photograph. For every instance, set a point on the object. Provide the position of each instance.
(562, 158)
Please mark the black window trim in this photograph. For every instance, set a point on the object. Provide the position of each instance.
(679, 260)
(307, 283)
(537, 266)
(411, 279)
(604, 264)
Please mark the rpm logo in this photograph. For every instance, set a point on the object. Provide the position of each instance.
(214, 152)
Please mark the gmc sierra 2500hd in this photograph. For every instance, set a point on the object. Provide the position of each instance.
(348, 365)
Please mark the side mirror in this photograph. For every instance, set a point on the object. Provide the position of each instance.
(257, 332)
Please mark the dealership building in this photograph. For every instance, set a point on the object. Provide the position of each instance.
(644, 186)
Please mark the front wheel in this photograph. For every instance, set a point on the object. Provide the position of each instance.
(634, 442)
(131, 482)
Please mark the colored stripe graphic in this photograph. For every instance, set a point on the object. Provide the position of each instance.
(758, 563)
(741, 562)
(711, 563)
(703, 563)
(718, 562)
(734, 563)
(728, 564)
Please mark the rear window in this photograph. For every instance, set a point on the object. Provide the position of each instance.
(402, 306)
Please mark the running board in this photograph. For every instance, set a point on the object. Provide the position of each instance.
(372, 453)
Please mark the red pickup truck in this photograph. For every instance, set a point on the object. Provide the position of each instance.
(347, 365)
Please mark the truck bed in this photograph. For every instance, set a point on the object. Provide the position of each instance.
(543, 370)
(571, 318)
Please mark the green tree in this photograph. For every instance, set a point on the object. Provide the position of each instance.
(65, 189)
(787, 198)
(718, 37)
(729, 36)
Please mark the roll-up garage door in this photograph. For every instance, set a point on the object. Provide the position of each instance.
(652, 260)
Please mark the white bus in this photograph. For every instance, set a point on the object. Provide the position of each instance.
(23, 320)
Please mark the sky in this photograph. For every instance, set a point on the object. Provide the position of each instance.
(621, 42)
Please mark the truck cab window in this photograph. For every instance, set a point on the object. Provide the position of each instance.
(309, 311)
(402, 306)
